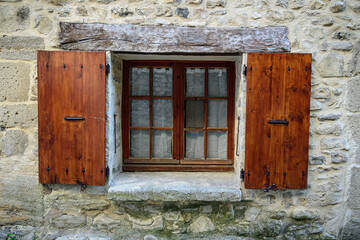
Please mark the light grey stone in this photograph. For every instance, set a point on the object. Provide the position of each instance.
(355, 7)
(14, 82)
(215, 3)
(10, 0)
(354, 26)
(315, 105)
(279, 17)
(342, 35)
(278, 215)
(338, 6)
(14, 18)
(251, 214)
(342, 46)
(195, 2)
(20, 47)
(303, 214)
(59, 2)
(339, 157)
(172, 216)
(333, 143)
(330, 129)
(332, 65)
(82, 11)
(324, 21)
(155, 223)
(351, 228)
(150, 237)
(103, 1)
(314, 32)
(320, 93)
(244, 3)
(316, 160)
(202, 224)
(165, 11)
(316, 5)
(296, 4)
(353, 95)
(14, 142)
(43, 24)
(354, 64)
(282, 3)
(329, 117)
(353, 123)
(110, 222)
(122, 11)
(19, 115)
(207, 209)
(69, 221)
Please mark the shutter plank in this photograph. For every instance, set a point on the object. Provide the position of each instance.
(298, 112)
(257, 143)
(71, 91)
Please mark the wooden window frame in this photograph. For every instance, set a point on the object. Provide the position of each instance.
(178, 162)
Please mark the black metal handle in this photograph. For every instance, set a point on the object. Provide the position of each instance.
(278, 122)
(269, 187)
(74, 118)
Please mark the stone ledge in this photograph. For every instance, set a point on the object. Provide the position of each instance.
(174, 186)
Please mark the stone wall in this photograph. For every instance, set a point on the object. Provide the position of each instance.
(328, 209)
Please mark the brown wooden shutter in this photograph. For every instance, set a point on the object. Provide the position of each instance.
(278, 88)
(71, 98)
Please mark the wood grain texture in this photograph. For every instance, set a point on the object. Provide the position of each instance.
(71, 84)
(171, 39)
(278, 88)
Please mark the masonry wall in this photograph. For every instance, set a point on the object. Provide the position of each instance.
(328, 209)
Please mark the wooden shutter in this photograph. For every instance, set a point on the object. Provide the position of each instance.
(278, 88)
(71, 98)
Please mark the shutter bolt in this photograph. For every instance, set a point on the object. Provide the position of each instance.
(270, 68)
(81, 66)
(64, 66)
(101, 66)
(306, 68)
(248, 173)
(48, 169)
(47, 65)
(288, 68)
(101, 170)
(83, 170)
(284, 173)
(250, 68)
(67, 170)
(303, 173)
(267, 173)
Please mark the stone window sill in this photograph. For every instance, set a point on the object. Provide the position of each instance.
(175, 186)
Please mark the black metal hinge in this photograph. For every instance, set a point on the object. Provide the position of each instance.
(245, 70)
(107, 171)
(83, 186)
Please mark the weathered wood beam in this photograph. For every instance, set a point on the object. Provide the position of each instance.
(171, 39)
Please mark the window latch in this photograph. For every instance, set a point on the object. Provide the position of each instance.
(278, 122)
(83, 186)
(269, 187)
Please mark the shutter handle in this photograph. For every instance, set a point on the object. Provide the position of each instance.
(74, 118)
(269, 187)
(278, 122)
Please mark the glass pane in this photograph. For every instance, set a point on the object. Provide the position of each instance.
(162, 144)
(216, 144)
(139, 113)
(162, 81)
(194, 113)
(217, 83)
(139, 81)
(139, 143)
(194, 144)
(162, 112)
(217, 113)
(195, 82)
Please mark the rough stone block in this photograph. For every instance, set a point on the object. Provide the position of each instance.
(14, 18)
(332, 65)
(353, 95)
(19, 115)
(330, 129)
(338, 6)
(324, 21)
(14, 82)
(333, 143)
(316, 160)
(329, 117)
(14, 142)
(353, 124)
(354, 64)
(355, 7)
(215, 3)
(303, 214)
(20, 47)
(342, 46)
(69, 221)
(354, 189)
(202, 224)
(339, 157)
(43, 24)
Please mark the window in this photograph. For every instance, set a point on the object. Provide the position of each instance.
(178, 115)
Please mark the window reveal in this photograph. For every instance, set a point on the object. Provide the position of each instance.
(178, 115)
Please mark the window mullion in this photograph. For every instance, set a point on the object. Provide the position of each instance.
(151, 111)
(206, 110)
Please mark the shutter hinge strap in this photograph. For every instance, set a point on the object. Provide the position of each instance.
(245, 70)
(83, 186)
